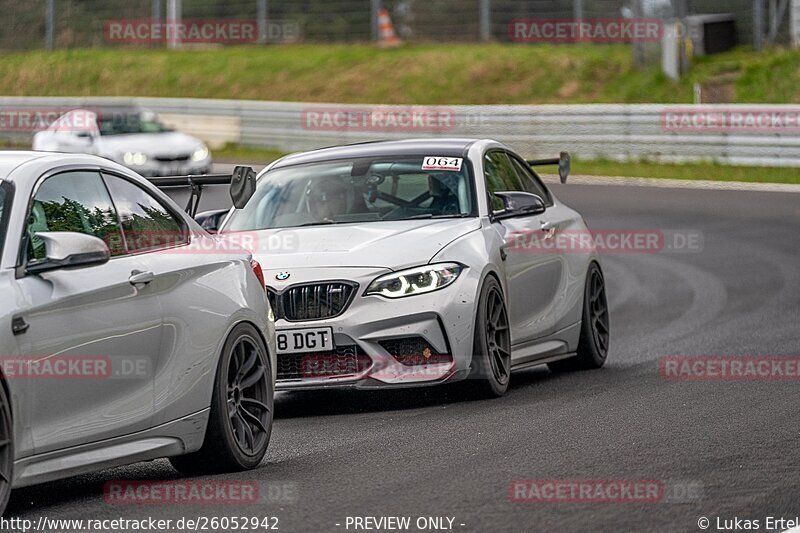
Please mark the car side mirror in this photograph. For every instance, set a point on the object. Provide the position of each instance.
(243, 186)
(518, 203)
(211, 220)
(65, 249)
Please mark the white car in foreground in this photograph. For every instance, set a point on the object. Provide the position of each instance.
(130, 136)
(127, 333)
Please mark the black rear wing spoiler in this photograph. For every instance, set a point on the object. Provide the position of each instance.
(564, 163)
(242, 181)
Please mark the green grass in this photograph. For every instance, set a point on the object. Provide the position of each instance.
(692, 171)
(413, 74)
(235, 153)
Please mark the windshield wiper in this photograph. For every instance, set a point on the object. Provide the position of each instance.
(320, 223)
(428, 215)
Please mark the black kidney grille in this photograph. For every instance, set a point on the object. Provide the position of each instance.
(313, 301)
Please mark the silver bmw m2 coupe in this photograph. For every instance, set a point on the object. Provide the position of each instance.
(421, 262)
(127, 333)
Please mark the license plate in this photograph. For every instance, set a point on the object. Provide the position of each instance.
(305, 340)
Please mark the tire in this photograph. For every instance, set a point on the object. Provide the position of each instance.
(491, 362)
(6, 449)
(240, 421)
(595, 331)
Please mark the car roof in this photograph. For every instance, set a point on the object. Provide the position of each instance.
(39, 162)
(9, 160)
(428, 147)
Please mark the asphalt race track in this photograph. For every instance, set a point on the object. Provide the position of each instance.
(433, 453)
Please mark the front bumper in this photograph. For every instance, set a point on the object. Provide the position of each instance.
(372, 327)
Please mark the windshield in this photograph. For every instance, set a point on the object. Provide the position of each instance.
(5, 204)
(129, 123)
(358, 191)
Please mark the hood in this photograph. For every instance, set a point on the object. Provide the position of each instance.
(393, 245)
(170, 143)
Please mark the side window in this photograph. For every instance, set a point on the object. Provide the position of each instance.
(530, 182)
(6, 195)
(146, 223)
(500, 176)
(74, 201)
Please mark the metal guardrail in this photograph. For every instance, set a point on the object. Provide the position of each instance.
(617, 132)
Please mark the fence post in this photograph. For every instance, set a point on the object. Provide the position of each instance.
(155, 16)
(638, 51)
(375, 6)
(173, 21)
(262, 21)
(778, 13)
(577, 10)
(758, 24)
(486, 20)
(50, 23)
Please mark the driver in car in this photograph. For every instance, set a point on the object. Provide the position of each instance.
(445, 201)
(326, 199)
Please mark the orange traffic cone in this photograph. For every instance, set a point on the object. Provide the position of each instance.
(386, 33)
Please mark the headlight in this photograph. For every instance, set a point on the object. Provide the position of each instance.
(200, 154)
(134, 158)
(419, 280)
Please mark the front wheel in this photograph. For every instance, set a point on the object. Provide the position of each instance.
(491, 362)
(595, 330)
(6, 449)
(240, 422)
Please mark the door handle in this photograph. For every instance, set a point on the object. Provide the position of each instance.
(141, 277)
(19, 325)
(545, 224)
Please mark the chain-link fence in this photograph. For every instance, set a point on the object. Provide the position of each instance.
(85, 23)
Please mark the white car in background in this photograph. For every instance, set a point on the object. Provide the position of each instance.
(132, 137)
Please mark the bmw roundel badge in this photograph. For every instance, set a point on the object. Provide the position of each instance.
(280, 276)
